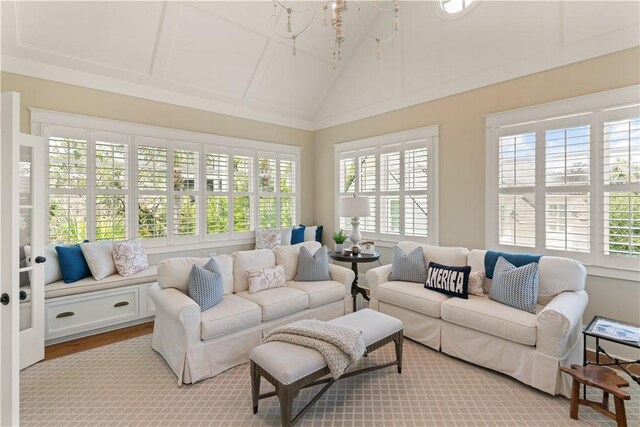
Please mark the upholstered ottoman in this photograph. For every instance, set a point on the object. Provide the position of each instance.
(291, 368)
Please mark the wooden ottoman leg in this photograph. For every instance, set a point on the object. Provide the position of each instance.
(398, 343)
(286, 396)
(575, 399)
(255, 386)
(621, 415)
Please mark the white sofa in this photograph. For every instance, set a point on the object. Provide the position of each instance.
(199, 345)
(528, 347)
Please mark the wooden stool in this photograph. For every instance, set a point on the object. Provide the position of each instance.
(604, 379)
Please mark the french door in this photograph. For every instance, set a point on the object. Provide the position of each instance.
(21, 234)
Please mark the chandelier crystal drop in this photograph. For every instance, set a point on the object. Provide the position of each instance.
(293, 28)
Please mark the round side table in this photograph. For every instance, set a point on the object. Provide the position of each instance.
(354, 260)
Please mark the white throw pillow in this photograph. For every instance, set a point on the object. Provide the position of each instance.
(99, 257)
(129, 257)
(265, 278)
(287, 256)
(52, 271)
(285, 238)
(310, 233)
(268, 238)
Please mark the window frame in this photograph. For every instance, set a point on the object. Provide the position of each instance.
(592, 110)
(425, 137)
(67, 125)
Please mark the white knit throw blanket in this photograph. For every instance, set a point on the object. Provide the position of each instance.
(339, 345)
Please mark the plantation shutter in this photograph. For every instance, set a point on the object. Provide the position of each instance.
(243, 193)
(287, 173)
(152, 167)
(217, 193)
(416, 187)
(185, 191)
(111, 189)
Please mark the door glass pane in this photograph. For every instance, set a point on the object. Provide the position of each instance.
(25, 183)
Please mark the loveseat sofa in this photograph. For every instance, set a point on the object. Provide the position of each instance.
(200, 344)
(528, 347)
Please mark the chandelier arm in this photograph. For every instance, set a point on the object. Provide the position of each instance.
(292, 35)
(373, 36)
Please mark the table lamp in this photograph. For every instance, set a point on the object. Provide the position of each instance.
(355, 208)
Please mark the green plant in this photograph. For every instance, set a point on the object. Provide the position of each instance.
(339, 237)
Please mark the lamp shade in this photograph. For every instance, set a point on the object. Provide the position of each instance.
(357, 206)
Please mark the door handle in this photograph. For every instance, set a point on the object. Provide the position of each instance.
(4, 299)
(40, 259)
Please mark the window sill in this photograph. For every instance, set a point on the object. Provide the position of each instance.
(198, 246)
(613, 273)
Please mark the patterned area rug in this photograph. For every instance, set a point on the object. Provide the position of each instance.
(127, 383)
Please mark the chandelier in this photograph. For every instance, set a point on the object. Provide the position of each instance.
(293, 29)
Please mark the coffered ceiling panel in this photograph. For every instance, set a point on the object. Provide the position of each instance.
(585, 21)
(121, 37)
(295, 82)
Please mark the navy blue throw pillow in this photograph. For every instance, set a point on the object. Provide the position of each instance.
(72, 263)
(297, 234)
(319, 233)
(453, 281)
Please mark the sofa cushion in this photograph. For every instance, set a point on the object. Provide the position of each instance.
(249, 260)
(278, 302)
(232, 314)
(288, 257)
(174, 272)
(491, 317)
(412, 296)
(440, 254)
(322, 292)
(89, 284)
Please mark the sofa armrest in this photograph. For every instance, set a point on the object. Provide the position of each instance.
(342, 275)
(377, 276)
(559, 324)
(177, 308)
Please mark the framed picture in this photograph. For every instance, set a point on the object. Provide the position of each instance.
(368, 247)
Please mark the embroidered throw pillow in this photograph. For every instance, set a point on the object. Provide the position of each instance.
(453, 281)
(476, 278)
(408, 267)
(515, 286)
(313, 268)
(129, 257)
(206, 286)
(268, 238)
(265, 278)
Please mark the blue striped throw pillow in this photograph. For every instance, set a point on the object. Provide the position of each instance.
(408, 267)
(313, 268)
(515, 286)
(206, 287)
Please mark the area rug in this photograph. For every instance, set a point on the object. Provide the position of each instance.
(127, 383)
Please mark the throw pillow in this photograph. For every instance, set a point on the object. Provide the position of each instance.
(288, 257)
(515, 286)
(266, 278)
(476, 278)
(72, 263)
(313, 268)
(449, 280)
(205, 285)
(285, 238)
(268, 238)
(297, 235)
(129, 257)
(408, 267)
(310, 233)
(99, 256)
(52, 271)
(518, 260)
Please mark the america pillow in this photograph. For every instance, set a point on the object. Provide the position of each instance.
(453, 281)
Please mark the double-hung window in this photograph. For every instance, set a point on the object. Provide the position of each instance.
(568, 184)
(397, 173)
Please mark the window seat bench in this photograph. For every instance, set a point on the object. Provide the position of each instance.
(89, 306)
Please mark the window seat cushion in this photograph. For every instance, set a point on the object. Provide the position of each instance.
(89, 284)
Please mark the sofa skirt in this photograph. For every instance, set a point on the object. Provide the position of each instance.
(524, 363)
(419, 327)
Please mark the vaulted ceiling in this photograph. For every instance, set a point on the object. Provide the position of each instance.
(225, 56)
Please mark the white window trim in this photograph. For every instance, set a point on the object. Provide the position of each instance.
(83, 127)
(404, 140)
(524, 118)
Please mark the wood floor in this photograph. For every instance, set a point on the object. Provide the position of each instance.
(81, 344)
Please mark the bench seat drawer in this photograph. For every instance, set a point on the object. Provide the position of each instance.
(79, 313)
